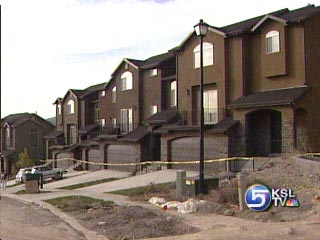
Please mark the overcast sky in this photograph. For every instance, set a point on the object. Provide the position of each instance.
(50, 46)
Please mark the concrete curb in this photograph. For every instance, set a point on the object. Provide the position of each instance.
(89, 235)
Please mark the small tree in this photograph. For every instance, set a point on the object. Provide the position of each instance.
(25, 160)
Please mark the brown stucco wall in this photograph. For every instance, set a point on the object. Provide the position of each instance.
(273, 64)
(235, 71)
(188, 76)
(151, 89)
(70, 118)
(129, 98)
(259, 64)
(309, 125)
(106, 107)
(22, 133)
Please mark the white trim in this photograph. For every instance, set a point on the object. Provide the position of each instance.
(215, 30)
(130, 63)
(265, 18)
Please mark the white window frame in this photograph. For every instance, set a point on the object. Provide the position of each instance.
(114, 94)
(126, 120)
(210, 105)
(208, 55)
(153, 72)
(71, 106)
(102, 93)
(126, 81)
(272, 42)
(173, 93)
(153, 110)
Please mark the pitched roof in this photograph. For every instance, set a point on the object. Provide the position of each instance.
(136, 135)
(83, 93)
(92, 89)
(19, 118)
(88, 128)
(152, 61)
(54, 134)
(293, 16)
(163, 117)
(246, 25)
(269, 98)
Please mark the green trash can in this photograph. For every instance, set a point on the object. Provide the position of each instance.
(32, 181)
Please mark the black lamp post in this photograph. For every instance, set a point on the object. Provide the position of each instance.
(201, 30)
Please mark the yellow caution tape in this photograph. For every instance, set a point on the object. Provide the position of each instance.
(166, 163)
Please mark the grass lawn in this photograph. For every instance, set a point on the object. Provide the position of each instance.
(25, 192)
(150, 189)
(16, 184)
(87, 184)
(76, 203)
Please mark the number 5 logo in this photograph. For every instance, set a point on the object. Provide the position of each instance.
(258, 197)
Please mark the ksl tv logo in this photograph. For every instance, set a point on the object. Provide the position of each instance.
(259, 198)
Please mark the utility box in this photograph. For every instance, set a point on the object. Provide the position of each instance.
(32, 182)
(190, 186)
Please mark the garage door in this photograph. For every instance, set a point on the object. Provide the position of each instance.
(187, 149)
(64, 163)
(95, 156)
(123, 154)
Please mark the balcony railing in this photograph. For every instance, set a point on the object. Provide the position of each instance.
(211, 116)
(115, 129)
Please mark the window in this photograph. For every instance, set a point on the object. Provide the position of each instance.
(59, 108)
(210, 105)
(207, 55)
(102, 93)
(103, 123)
(8, 131)
(34, 136)
(114, 122)
(153, 110)
(153, 72)
(72, 134)
(71, 107)
(114, 94)
(273, 42)
(126, 120)
(173, 94)
(126, 81)
(96, 112)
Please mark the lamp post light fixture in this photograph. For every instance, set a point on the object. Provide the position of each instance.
(201, 30)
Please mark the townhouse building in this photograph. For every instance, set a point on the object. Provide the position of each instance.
(261, 88)
(19, 132)
(139, 96)
(77, 122)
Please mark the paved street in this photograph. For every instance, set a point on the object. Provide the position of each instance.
(19, 221)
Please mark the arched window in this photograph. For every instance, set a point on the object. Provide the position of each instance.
(8, 131)
(273, 42)
(114, 94)
(126, 81)
(59, 108)
(71, 107)
(207, 55)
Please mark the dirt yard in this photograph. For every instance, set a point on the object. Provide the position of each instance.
(19, 221)
(121, 222)
(278, 173)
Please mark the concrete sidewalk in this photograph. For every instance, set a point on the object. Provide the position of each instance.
(163, 176)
